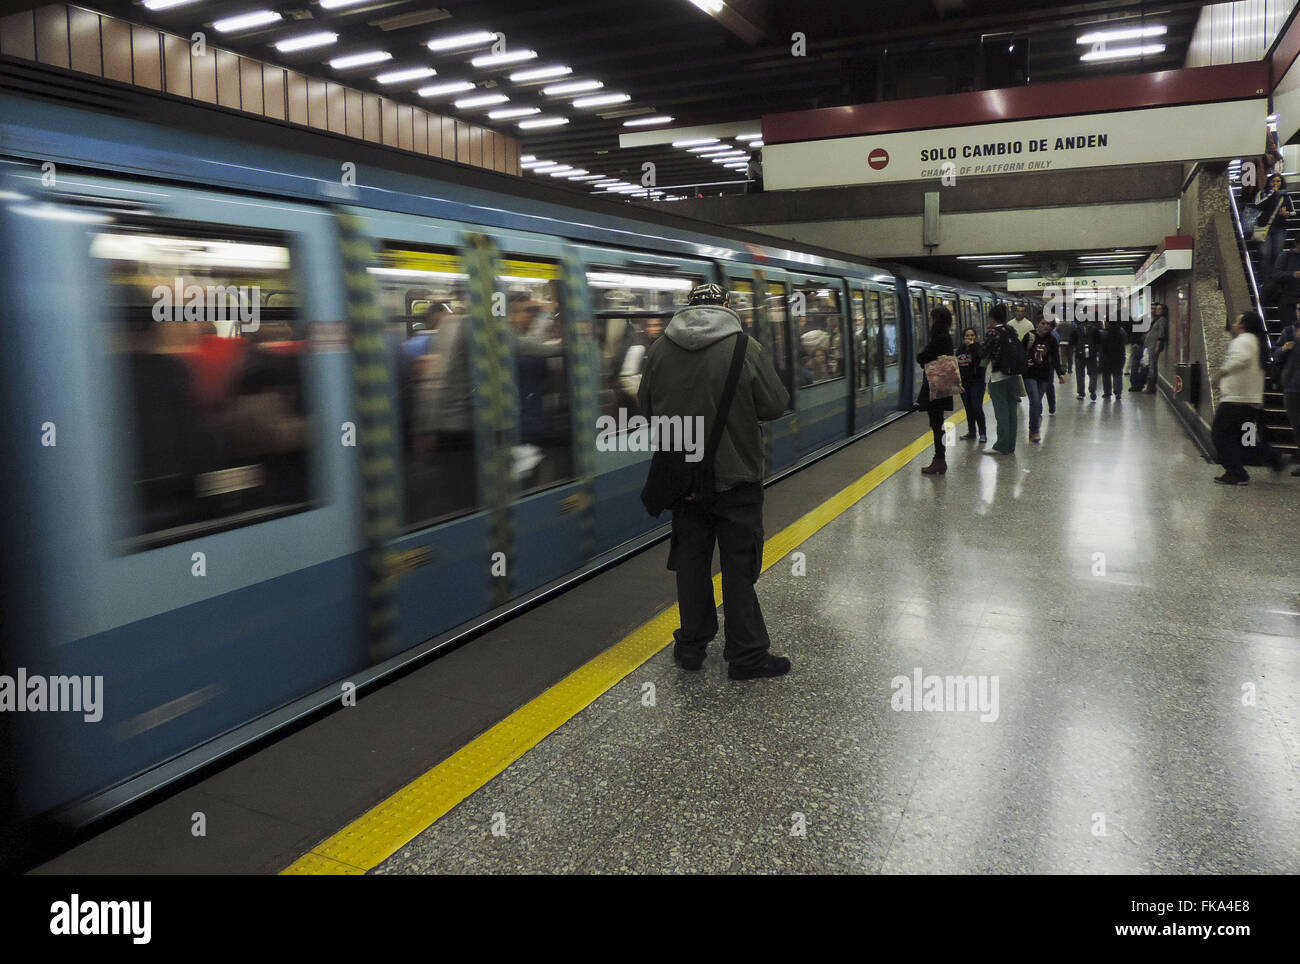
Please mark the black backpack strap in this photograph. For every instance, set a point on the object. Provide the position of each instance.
(728, 393)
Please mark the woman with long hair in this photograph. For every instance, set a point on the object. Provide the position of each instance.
(940, 344)
(1274, 208)
(1239, 417)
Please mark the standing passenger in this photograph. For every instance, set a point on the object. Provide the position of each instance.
(1066, 333)
(1241, 400)
(1288, 362)
(1113, 338)
(684, 375)
(940, 343)
(1043, 361)
(1002, 385)
(970, 360)
(1156, 339)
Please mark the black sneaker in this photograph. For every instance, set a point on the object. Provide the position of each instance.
(770, 666)
(984, 438)
(1093, 396)
(1079, 397)
(1226, 479)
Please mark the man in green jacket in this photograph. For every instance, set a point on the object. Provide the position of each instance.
(684, 374)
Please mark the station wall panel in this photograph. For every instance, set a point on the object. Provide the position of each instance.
(71, 38)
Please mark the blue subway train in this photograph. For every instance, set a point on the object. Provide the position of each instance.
(269, 436)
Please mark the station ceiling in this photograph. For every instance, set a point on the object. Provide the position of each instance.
(696, 61)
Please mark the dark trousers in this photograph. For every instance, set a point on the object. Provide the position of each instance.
(973, 399)
(1067, 358)
(1230, 421)
(735, 523)
(1088, 366)
(1006, 412)
(1112, 381)
(936, 426)
(1293, 415)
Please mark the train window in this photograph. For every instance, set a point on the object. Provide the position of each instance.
(741, 299)
(821, 347)
(544, 456)
(889, 324)
(423, 294)
(632, 310)
(776, 315)
(215, 374)
(860, 342)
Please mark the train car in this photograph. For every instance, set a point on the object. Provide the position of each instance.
(392, 440)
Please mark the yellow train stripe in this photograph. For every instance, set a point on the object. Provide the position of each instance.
(379, 833)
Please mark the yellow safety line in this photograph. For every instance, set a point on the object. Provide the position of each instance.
(379, 833)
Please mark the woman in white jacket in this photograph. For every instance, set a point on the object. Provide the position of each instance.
(1239, 418)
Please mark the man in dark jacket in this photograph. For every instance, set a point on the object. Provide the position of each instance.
(1285, 278)
(1287, 359)
(1086, 342)
(1114, 338)
(685, 371)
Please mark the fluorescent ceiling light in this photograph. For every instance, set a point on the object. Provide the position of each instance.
(534, 163)
(586, 177)
(337, 4)
(986, 257)
(165, 4)
(527, 157)
(748, 137)
(451, 87)
(754, 144)
(711, 149)
(555, 169)
(483, 100)
(306, 41)
(1122, 53)
(607, 181)
(709, 6)
(508, 112)
(570, 172)
(1123, 33)
(547, 167)
(459, 41)
(693, 141)
(601, 100)
(573, 87)
(539, 73)
(410, 73)
(258, 18)
(542, 122)
(646, 121)
(487, 61)
(361, 60)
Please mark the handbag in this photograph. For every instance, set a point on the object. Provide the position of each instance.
(944, 377)
(1260, 233)
(672, 479)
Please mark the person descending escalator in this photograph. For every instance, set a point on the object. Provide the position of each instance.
(1239, 417)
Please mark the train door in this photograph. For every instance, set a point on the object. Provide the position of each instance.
(890, 397)
(862, 388)
(192, 528)
(817, 310)
(780, 436)
(920, 311)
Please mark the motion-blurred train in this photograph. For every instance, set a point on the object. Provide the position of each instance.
(387, 440)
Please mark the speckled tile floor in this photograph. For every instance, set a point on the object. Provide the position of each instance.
(1147, 715)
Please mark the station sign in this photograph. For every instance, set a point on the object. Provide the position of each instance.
(1224, 129)
(1079, 283)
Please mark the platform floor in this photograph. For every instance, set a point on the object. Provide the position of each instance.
(1148, 718)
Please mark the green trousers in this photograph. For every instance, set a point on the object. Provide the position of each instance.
(1006, 411)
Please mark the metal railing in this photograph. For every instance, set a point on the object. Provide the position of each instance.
(1245, 252)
